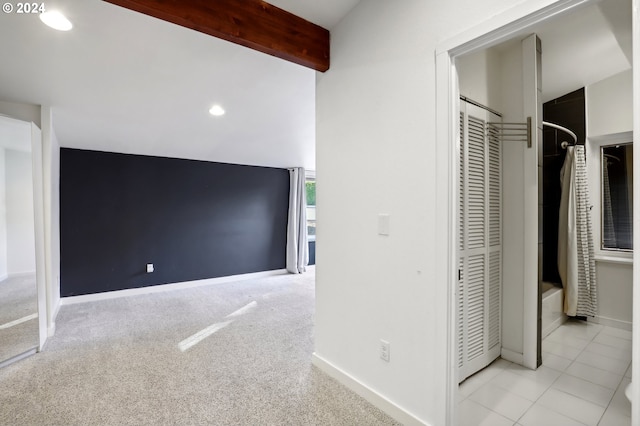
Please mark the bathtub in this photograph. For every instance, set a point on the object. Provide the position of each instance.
(552, 308)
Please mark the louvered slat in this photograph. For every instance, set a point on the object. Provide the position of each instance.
(494, 186)
(475, 317)
(460, 317)
(476, 192)
(461, 186)
(494, 299)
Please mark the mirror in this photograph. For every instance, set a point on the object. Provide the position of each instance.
(617, 196)
(19, 330)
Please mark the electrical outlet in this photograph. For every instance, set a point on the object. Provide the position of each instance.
(385, 350)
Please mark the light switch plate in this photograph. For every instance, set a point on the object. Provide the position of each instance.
(383, 224)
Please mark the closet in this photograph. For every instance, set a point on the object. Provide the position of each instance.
(480, 239)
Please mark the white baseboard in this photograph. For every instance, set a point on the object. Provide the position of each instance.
(51, 321)
(373, 397)
(21, 274)
(16, 275)
(70, 300)
(612, 322)
(512, 356)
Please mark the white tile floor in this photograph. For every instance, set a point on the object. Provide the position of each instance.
(585, 370)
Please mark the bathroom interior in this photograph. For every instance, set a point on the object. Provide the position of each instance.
(584, 85)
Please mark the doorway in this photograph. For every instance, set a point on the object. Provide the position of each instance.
(504, 27)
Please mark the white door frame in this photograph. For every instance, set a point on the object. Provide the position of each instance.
(635, 357)
(511, 23)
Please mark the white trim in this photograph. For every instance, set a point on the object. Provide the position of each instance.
(611, 138)
(20, 274)
(593, 148)
(512, 356)
(38, 212)
(376, 399)
(507, 25)
(446, 164)
(51, 330)
(51, 327)
(618, 258)
(16, 275)
(635, 387)
(611, 322)
(72, 300)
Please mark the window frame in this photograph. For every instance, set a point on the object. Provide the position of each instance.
(594, 170)
(310, 175)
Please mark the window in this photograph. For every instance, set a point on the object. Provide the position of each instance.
(617, 197)
(311, 208)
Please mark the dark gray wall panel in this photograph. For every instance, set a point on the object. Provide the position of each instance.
(567, 111)
(191, 219)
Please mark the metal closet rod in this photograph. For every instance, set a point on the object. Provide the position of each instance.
(564, 129)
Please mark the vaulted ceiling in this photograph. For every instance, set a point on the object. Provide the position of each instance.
(122, 81)
(126, 82)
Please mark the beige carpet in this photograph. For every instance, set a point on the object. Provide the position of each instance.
(120, 362)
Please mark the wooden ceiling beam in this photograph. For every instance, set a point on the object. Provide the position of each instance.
(252, 23)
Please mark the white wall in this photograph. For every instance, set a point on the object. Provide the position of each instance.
(615, 294)
(19, 197)
(609, 118)
(609, 105)
(479, 77)
(376, 124)
(513, 211)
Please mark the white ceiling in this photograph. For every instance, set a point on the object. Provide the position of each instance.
(125, 82)
(326, 13)
(122, 81)
(584, 47)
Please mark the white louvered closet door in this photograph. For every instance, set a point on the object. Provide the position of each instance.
(480, 241)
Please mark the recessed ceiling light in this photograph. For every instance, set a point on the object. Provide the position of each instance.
(216, 110)
(56, 20)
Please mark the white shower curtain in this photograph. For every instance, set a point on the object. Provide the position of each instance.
(576, 263)
(297, 249)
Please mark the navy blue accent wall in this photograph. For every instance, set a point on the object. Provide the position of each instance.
(191, 219)
(567, 111)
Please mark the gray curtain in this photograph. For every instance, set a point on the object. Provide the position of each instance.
(297, 246)
(576, 262)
